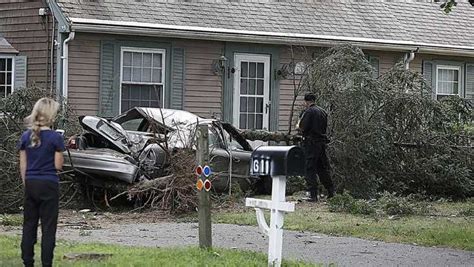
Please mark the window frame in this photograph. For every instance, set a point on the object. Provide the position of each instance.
(163, 70)
(3, 56)
(449, 67)
(371, 57)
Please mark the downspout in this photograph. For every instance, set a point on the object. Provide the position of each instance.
(409, 58)
(53, 40)
(65, 59)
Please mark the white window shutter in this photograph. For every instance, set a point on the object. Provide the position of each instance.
(20, 72)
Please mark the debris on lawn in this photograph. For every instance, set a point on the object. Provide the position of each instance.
(87, 256)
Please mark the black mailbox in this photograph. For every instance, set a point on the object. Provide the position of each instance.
(277, 161)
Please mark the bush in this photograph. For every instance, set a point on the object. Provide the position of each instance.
(11, 220)
(295, 184)
(469, 211)
(346, 203)
(393, 205)
(387, 204)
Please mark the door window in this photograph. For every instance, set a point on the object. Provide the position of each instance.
(251, 104)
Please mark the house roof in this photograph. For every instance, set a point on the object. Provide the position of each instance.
(6, 47)
(394, 25)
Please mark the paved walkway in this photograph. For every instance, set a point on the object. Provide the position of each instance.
(310, 247)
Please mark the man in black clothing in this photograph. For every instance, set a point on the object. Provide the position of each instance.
(313, 124)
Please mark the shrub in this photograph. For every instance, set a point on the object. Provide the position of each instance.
(469, 211)
(11, 220)
(295, 184)
(341, 202)
(346, 203)
(393, 205)
(387, 204)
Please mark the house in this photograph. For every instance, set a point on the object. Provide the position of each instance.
(25, 45)
(222, 58)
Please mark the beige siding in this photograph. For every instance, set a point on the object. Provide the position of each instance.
(28, 33)
(84, 73)
(417, 63)
(287, 86)
(386, 59)
(203, 89)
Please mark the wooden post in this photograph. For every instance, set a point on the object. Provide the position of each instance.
(204, 212)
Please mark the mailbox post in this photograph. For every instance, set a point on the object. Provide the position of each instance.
(277, 162)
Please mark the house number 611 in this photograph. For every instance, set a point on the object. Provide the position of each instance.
(256, 166)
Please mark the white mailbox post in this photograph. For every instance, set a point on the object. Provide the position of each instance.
(276, 162)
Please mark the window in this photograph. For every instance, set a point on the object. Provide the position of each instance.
(6, 76)
(374, 62)
(142, 78)
(447, 80)
(215, 139)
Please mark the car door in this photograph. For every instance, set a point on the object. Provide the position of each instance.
(240, 151)
(219, 159)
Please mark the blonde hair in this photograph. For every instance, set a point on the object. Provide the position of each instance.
(43, 115)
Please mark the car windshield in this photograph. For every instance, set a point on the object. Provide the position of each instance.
(215, 140)
(232, 144)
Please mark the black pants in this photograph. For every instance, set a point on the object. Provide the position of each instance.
(41, 203)
(317, 164)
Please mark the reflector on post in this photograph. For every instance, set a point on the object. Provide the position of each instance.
(199, 170)
(207, 185)
(206, 171)
(199, 184)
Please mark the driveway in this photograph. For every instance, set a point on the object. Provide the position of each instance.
(310, 247)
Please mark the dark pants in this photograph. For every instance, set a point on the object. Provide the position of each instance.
(317, 164)
(41, 203)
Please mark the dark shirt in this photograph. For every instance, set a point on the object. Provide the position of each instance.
(313, 124)
(40, 159)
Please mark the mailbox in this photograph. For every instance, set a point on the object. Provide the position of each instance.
(277, 161)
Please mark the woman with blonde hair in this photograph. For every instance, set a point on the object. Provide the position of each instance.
(40, 158)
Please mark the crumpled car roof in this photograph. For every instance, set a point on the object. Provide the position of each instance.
(181, 124)
(170, 117)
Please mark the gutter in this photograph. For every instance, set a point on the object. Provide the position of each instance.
(65, 59)
(222, 34)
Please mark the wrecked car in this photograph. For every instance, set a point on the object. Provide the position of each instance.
(132, 146)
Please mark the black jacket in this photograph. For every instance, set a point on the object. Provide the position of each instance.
(313, 124)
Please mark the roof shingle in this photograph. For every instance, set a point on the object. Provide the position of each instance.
(420, 22)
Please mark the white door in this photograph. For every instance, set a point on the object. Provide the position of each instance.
(251, 91)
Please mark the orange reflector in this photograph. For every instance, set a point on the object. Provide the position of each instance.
(199, 184)
(207, 185)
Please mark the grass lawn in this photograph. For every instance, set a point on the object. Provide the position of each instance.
(449, 224)
(137, 256)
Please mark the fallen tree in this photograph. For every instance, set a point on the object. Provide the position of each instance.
(174, 192)
(13, 109)
(369, 117)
